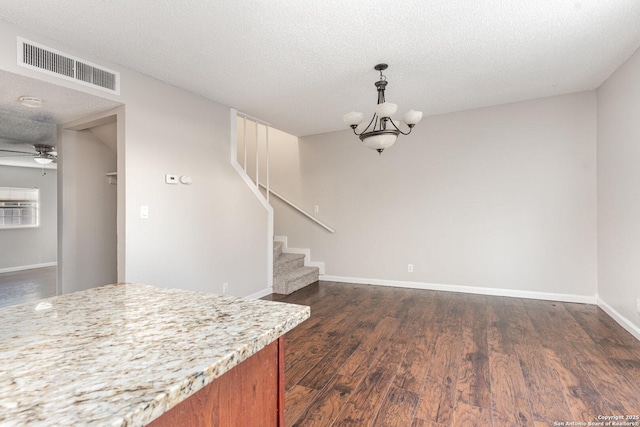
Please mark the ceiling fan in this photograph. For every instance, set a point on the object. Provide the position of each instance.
(42, 153)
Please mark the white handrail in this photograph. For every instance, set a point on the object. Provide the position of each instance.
(311, 217)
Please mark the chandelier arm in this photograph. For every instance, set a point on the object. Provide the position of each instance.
(365, 129)
(400, 130)
(369, 125)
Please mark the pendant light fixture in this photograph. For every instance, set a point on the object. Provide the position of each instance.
(382, 131)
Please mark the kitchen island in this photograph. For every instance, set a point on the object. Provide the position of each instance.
(129, 354)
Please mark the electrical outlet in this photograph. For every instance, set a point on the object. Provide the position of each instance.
(144, 211)
(316, 209)
(225, 288)
(410, 268)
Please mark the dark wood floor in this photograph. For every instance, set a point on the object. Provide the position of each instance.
(384, 356)
(27, 285)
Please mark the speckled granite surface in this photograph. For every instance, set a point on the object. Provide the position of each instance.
(122, 355)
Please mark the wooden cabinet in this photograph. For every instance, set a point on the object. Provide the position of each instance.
(250, 394)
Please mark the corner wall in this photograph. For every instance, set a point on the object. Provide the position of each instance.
(493, 200)
(619, 194)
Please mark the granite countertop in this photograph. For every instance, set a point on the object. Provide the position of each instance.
(122, 355)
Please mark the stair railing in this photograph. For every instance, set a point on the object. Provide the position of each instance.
(254, 182)
(253, 186)
(302, 211)
(234, 152)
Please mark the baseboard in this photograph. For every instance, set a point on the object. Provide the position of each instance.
(28, 267)
(619, 318)
(583, 299)
(260, 294)
(306, 252)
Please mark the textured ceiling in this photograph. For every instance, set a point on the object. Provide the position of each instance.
(21, 127)
(59, 104)
(301, 64)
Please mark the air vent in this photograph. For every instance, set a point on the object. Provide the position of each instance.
(41, 58)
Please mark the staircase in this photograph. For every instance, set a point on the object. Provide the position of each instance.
(289, 272)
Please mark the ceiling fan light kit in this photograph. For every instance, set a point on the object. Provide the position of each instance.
(43, 160)
(382, 131)
(46, 153)
(43, 154)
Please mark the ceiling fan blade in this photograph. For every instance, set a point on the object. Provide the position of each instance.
(16, 152)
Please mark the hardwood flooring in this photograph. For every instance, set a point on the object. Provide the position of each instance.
(27, 285)
(380, 356)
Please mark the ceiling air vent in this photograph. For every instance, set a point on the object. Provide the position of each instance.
(41, 58)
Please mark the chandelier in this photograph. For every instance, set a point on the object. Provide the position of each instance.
(382, 131)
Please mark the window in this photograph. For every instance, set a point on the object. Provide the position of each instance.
(19, 207)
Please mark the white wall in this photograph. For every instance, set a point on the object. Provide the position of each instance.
(204, 234)
(501, 198)
(198, 236)
(30, 246)
(89, 211)
(619, 192)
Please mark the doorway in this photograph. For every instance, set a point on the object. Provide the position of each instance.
(23, 280)
(88, 177)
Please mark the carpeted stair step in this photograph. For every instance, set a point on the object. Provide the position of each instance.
(293, 280)
(287, 262)
(289, 271)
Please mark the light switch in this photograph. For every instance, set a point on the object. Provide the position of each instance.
(171, 179)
